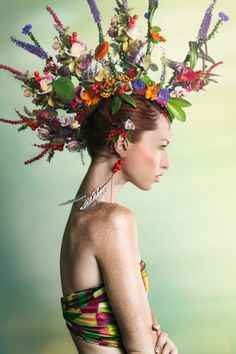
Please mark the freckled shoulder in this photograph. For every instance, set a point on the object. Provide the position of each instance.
(99, 221)
(105, 217)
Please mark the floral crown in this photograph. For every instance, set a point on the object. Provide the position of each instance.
(71, 86)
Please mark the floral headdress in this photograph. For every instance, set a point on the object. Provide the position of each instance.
(73, 84)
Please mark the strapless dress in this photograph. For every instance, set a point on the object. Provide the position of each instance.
(88, 314)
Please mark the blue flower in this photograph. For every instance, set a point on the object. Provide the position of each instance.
(147, 15)
(223, 17)
(26, 29)
(163, 96)
(138, 84)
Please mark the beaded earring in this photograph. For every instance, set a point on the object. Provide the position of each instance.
(117, 166)
(123, 129)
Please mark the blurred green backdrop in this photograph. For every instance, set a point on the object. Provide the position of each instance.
(186, 223)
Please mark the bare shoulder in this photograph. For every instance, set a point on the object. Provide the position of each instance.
(112, 219)
(115, 234)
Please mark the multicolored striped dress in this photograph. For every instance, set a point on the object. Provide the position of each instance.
(88, 314)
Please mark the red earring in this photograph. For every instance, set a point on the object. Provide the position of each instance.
(117, 166)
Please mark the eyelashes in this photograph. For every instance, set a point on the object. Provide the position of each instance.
(161, 146)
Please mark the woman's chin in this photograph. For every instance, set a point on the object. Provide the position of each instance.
(144, 187)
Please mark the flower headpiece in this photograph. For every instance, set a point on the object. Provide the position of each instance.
(72, 85)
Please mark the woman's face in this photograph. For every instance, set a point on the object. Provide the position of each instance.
(148, 158)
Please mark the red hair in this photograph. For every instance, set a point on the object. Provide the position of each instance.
(144, 116)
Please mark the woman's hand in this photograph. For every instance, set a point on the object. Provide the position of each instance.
(163, 345)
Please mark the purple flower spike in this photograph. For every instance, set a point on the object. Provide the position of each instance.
(151, 2)
(30, 48)
(223, 17)
(26, 29)
(94, 10)
(204, 28)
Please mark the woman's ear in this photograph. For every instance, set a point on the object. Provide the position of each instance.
(121, 146)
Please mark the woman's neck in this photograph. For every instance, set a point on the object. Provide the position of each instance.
(100, 172)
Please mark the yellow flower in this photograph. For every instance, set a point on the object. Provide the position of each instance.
(157, 37)
(90, 97)
(151, 92)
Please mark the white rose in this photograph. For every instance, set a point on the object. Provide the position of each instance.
(77, 49)
(67, 119)
(134, 32)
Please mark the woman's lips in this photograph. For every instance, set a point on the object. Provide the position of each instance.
(158, 177)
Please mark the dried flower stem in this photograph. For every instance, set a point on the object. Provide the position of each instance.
(56, 18)
(11, 70)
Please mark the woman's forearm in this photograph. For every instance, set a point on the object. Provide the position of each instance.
(147, 348)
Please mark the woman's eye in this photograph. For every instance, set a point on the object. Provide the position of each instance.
(163, 146)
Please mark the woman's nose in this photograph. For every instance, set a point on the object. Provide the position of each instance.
(165, 161)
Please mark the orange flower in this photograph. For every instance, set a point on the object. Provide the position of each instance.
(157, 37)
(90, 97)
(151, 92)
(101, 50)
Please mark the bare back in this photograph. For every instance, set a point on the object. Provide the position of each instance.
(78, 263)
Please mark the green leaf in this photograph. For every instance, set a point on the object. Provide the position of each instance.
(193, 57)
(168, 62)
(129, 99)
(205, 56)
(147, 80)
(153, 67)
(116, 104)
(64, 89)
(147, 62)
(176, 111)
(152, 12)
(156, 29)
(180, 102)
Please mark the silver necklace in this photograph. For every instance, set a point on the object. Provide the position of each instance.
(90, 199)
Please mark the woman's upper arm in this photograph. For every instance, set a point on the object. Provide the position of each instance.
(117, 254)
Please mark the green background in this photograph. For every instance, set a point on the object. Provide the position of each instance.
(186, 223)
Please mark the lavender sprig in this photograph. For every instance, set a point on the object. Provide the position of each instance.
(30, 48)
(222, 18)
(97, 18)
(205, 25)
(151, 2)
(94, 10)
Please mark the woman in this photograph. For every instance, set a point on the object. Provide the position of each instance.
(100, 243)
(106, 101)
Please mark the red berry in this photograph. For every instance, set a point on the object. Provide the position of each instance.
(132, 20)
(36, 73)
(130, 24)
(74, 34)
(135, 17)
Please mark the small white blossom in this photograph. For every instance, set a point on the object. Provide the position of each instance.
(129, 124)
(134, 32)
(181, 92)
(67, 119)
